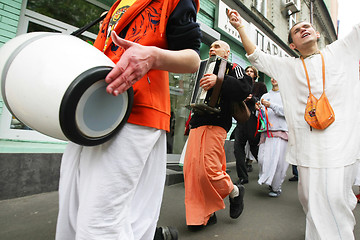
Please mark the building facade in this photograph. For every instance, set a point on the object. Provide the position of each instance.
(268, 23)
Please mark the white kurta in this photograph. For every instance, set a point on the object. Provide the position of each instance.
(357, 179)
(337, 145)
(326, 158)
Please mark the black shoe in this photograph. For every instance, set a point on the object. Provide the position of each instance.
(195, 228)
(294, 179)
(166, 233)
(243, 181)
(237, 203)
(212, 220)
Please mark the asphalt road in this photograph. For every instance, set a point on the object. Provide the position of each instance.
(264, 218)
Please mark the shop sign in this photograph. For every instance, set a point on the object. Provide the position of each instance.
(222, 24)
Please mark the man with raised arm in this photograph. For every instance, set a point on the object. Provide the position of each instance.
(326, 158)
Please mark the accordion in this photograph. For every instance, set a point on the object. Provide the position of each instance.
(203, 101)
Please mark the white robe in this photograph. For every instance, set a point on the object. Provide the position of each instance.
(113, 190)
(337, 145)
(272, 163)
(326, 158)
(357, 179)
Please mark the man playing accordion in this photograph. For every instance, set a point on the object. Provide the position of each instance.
(206, 180)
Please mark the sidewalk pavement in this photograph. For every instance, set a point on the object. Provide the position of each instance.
(264, 218)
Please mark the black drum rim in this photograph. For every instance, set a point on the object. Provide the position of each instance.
(71, 99)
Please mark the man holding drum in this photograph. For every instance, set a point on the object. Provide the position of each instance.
(205, 177)
(114, 190)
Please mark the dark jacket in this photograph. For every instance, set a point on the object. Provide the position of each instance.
(236, 87)
(259, 89)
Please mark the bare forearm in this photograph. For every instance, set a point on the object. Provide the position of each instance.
(137, 60)
(237, 22)
(182, 61)
(249, 46)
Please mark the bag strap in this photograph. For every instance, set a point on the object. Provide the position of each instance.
(268, 124)
(217, 88)
(78, 32)
(258, 123)
(307, 75)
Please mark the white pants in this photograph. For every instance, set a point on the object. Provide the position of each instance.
(328, 201)
(272, 163)
(357, 179)
(114, 190)
(248, 154)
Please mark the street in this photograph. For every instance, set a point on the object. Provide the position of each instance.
(264, 218)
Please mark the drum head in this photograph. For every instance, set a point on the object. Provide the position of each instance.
(88, 114)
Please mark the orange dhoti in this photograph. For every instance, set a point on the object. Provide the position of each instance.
(205, 177)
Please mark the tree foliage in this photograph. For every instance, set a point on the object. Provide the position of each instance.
(74, 12)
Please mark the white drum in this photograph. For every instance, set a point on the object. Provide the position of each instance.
(54, 83)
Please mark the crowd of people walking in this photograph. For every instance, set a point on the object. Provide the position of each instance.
(114, 190)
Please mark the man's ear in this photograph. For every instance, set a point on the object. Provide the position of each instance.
(227, 54)
(292, 46)
(317, 35)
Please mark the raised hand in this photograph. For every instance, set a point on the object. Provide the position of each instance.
(237, 22)
(234, 18)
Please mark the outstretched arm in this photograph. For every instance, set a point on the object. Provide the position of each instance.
(236, 21)
(137, 60)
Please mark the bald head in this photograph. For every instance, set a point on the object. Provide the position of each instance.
(220, 48)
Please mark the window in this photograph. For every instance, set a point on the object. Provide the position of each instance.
(63, 16)
(260, 5)
(291, 6)
(74, 12)
(181, 86)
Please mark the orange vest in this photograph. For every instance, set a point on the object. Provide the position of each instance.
(146, 22)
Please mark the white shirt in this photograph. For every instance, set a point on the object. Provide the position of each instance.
(337, 145)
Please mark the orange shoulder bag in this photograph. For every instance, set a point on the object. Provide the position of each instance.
(318, 112)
